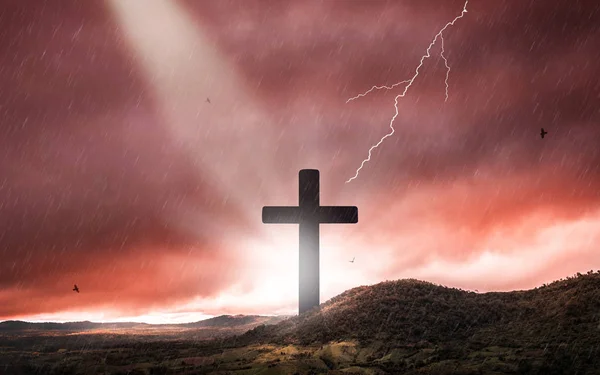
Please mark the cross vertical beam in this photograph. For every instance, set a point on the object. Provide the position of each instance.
(308, 192)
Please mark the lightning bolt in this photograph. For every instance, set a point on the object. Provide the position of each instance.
(447, 66)
(409, 83)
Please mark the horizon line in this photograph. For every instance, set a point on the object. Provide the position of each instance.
(565, 278)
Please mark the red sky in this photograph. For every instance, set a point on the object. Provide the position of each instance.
(116, 174)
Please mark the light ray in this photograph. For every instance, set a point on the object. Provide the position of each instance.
(183, 67)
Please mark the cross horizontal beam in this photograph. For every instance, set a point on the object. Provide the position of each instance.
(325, 215)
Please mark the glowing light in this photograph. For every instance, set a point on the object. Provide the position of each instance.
(410, 82)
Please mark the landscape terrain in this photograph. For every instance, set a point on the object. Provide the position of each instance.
(394, 327)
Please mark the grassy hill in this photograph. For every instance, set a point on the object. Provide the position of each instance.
(550, 328)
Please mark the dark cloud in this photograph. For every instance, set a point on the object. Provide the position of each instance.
(89, 175)
(93, 185)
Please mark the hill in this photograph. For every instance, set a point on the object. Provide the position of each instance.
(549, 328)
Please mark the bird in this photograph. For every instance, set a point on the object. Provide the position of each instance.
(352, 261)
(543, 133)
(208, 100)
(75, 288)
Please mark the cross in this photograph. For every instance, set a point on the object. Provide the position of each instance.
(309, 214)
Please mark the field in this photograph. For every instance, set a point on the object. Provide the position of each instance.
(142, 353)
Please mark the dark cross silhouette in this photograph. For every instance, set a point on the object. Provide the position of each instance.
(309, 214)
(352, 261)
(543, 133)
(75, 288)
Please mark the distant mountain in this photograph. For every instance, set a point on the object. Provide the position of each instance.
(561, 320)
(223, 321)
(234, 321)
(17, 325)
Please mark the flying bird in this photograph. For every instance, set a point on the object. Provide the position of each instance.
(352, 261)
(208, 100)
(543, 133)
(75, 288)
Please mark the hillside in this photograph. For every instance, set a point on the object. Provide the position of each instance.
(554, 325)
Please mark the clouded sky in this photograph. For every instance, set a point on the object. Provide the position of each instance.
(118, 176)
